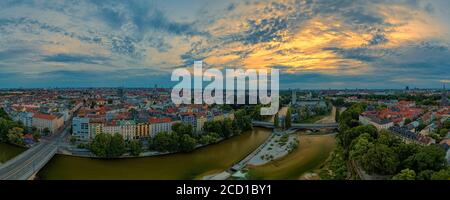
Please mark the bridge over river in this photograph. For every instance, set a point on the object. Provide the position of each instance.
(27, 164)
(298, 126)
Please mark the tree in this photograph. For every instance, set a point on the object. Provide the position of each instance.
(345, 138)
(407, 121)
(425, 175)
(5, 126)
(287, 119)
(72, 140)
(336, 116)
(108, 146)
(404, 151)
(15, 135)
(209, 138)
(227, 128)
(99, 144)
(427, 158)
(406, 174)
(443, 174)
(46, 131)
(117, 146)
(213, 127)
(336, 167)
(187, 143)
(36, 135)
(349, 118)
(421, 127)
(165, 142)
(182, 128)
(443, 132)
(205, 139)
(276, 121)
(339, 102)
(360, 146)
(135, 147)
(243, 120)
(387, 138)
(446, 124)
(4, 115)
(380, 159)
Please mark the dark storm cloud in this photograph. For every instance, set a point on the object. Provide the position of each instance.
(74, 58)
(131, 31)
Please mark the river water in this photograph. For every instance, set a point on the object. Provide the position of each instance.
(312, 151)
(193, 165)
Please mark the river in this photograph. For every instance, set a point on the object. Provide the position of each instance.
(312, 151)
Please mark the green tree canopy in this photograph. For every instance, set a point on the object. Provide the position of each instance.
(380, 159)
(187, 143)
(360, 146)
(108, 146)
(388, 139)
(276, 121)
(428, 157)
(135, 147)
(182, 128)
(443, 174)
(345, 138)
(406, 174)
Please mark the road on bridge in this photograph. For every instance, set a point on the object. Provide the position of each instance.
(297, 126)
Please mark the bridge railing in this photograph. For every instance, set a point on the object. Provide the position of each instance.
(297, 125)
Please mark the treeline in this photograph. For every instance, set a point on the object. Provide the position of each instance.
(113, 146)
(336, 167)
(386, 154)
(381, 153)
(431, 100)
(305, 113)
(183, 139)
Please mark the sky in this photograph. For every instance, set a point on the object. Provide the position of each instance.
(316, 44)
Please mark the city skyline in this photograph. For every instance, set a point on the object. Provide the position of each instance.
(315, 44)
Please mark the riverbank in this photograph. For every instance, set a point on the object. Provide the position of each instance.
(279, 146)
(312, 152)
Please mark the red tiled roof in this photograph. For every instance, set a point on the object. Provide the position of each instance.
(155, 120)
(44, 116)
(28, 136)
(170, 110)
